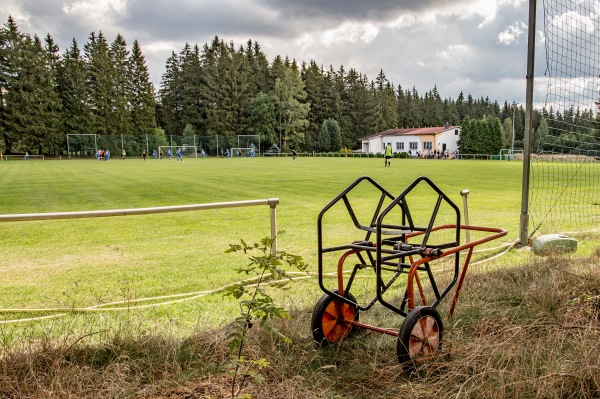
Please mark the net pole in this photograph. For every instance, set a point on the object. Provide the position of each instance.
(524, 222)
(68, 151)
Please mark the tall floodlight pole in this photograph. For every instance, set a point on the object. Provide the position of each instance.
(524, 222)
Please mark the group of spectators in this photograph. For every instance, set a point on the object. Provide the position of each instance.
(430, 154)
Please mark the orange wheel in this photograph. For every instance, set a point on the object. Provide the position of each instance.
(329, 319)
(420, 335)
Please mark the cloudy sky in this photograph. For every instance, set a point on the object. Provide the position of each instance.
(475, 46)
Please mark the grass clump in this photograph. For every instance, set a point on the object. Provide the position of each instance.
(525, 332)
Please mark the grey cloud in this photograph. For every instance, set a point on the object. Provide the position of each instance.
(380, 10)
(189, 22)
(408, 55)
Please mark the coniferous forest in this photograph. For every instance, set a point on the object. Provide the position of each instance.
(225, 89)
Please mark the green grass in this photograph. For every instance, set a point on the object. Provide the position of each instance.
(85, 262)
(524, 326)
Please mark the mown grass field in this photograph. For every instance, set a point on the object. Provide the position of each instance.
(80, 263)
(84, 262)
(524, 326)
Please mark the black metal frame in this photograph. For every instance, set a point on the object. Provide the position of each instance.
(390, 250)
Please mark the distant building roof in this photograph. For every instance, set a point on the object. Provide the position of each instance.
(410, 131)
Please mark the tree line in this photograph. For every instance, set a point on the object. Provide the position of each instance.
(228, 90)
(103, 89)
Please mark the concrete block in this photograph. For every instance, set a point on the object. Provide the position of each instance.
(553, 243)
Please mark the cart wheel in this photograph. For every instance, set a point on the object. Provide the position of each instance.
(329, 316)
(420, 335)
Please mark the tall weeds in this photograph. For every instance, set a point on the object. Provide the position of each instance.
(527, 332)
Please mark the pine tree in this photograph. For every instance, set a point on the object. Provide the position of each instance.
(142, 101)
(237, 82)
(53, 138)
(325, 137)
(11, 43)
(336, 136)
(436, 107)
(100, 84)
(120, 122)
(465, 141)
(259, 68)
(32, 103)
(358, 108)
(216, 62)
(262, 118)
(277, 70)
(192, 76)
(315, 87)
(171, 96)
(76, 114)
(385, 112)
(292, 108)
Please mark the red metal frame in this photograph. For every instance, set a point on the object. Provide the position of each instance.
(412, 273)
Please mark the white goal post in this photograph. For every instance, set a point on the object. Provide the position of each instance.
(509, 153)
(242, 152)
(186, 150)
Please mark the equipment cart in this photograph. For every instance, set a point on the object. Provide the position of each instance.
(395, 245)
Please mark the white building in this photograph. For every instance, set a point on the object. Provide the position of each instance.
(423, 141)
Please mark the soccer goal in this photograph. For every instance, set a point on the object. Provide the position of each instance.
(21, 157)
(242, 152)
(510, 154)
(247, 141)
(82, 145)
(187, 151)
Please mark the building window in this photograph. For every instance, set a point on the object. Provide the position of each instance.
(399, 146)
(456, 132)
(427, 145)
(414, 145)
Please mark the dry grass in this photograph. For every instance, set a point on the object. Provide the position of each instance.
(528, 332)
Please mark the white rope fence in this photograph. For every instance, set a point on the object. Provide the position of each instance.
(271, 202)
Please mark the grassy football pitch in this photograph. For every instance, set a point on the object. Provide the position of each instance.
(88, 262)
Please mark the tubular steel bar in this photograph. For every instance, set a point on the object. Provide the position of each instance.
(272, 202)
(470, 245)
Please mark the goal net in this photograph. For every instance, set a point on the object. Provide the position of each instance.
(565, 194)
(187, 151)
(242, 152)
(247, 141)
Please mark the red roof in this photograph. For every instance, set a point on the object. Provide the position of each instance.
(413, 131)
